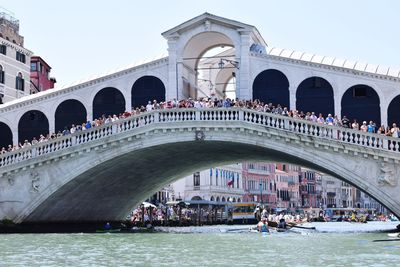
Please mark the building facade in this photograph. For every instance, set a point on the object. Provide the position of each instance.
(40, 75)
(220, 184)
(14, 60)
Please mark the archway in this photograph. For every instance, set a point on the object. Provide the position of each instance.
(69, 112)
(315, 94)
(361, 102)
(393, 112)
(32, 124)
(108, 101)
(196, 198)
(6, 136)
(271, 86)
(147, 88)
(212, 64)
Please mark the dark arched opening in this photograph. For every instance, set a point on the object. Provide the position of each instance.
(361, 102)
(108, 101)
(393, 112)
(315, 94)
(6, 137)
(69, 112)
(196, 198)
(271, 86)
(147, 88)
(32, 124)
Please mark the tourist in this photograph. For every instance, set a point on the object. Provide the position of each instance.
(371, 127)
(355, 125)
(345, 122)
(364, 127)
(394, 131)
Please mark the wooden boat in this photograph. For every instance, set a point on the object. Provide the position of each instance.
(108, 231)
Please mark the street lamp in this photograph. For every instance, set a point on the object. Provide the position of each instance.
(222, 61)
(261, 192)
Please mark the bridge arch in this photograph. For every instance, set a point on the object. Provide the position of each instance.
(32, 124)
(6, 136)
(147, 88)
(68, 112)
(361, 102)
(315, 94)
(108, 101)
(393, 111)
(272, 86)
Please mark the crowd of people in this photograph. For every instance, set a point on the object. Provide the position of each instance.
(257, 105)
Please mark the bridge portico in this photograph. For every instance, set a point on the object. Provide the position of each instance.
(101, 173)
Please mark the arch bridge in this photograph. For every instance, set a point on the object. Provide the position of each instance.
(102, 172)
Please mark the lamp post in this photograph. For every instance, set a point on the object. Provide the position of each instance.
(261, 200)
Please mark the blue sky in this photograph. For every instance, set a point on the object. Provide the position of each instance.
(83, 38)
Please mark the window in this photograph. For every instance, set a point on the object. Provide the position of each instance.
(3, 49)
(20, 57)
(33, 66)
(196, 179)
(19, 82)
(1, 74)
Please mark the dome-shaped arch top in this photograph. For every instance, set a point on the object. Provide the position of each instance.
(108, 101)
(6, 136)
(147, 88)
(393, 112)
(196, 46)
(69, 112)
(271, 86)
(32, 124)
(315, 94)
(361, 102)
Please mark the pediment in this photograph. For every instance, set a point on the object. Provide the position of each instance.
(208, 19)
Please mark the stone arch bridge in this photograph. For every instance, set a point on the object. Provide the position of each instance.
(101, 173)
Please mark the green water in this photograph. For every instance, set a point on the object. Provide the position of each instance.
(198, 249)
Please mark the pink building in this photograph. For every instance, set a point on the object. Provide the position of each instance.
(287, 185)
(40, 75)
(259, 183)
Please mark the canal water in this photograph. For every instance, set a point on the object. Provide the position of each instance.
(205, 246)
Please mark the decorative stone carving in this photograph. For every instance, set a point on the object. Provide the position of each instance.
(11, 180)
(388, 174)
(200, 135)
(207, 25)
(35, 179)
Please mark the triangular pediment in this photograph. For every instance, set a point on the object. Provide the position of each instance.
(207, 17)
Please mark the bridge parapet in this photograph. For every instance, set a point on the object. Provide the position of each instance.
(340, 135)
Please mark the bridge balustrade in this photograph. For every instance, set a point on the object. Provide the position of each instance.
(267, 120)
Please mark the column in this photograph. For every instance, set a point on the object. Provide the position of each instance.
(243, 87)
(173, 88)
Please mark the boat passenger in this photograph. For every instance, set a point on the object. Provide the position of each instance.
(282, 224)
(263, 226)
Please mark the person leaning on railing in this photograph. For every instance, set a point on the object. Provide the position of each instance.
(218, 103)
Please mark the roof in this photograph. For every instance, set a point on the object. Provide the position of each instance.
(216, 19)
(335, 62)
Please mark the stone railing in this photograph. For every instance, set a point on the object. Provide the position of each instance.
(268, 120)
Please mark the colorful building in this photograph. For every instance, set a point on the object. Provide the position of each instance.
(40, 75)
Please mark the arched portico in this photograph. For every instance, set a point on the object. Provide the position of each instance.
(393, 112)
(147, 88)
(271, 86)
(32, 124)
(361, 102)
(315, 94)
(69, 112)
(108, 101)
(6, 137)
